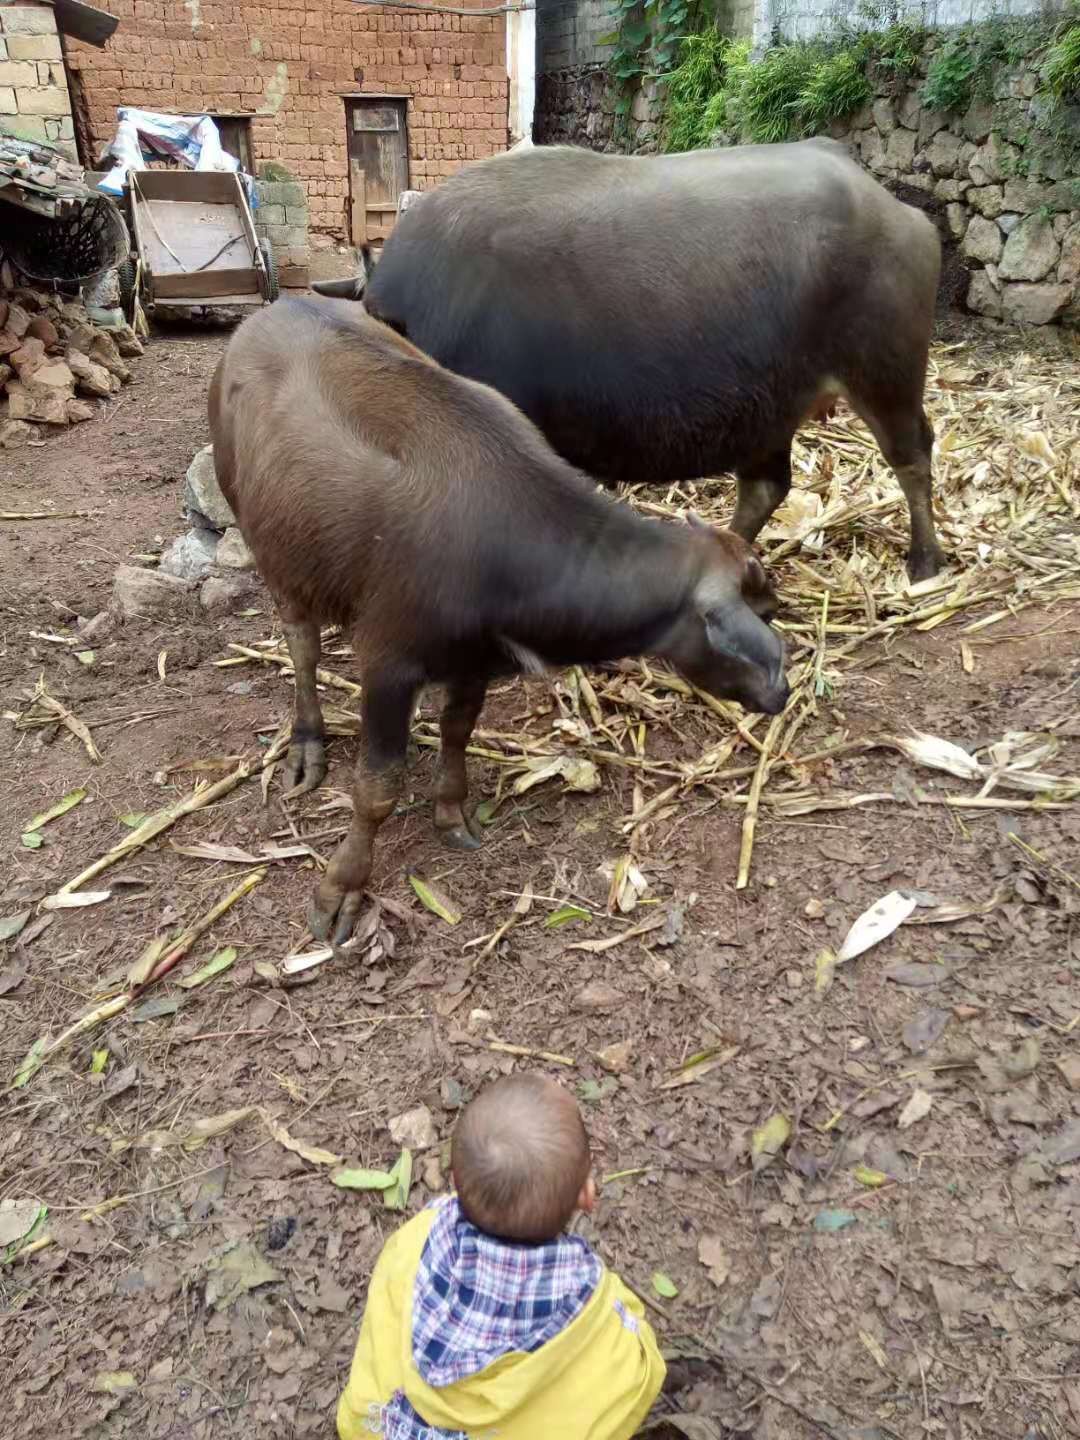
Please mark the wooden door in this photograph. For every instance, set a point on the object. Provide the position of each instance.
(378, 165)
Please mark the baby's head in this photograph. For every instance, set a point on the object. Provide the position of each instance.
(520, 1160)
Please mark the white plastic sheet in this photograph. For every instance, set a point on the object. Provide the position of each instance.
(192, 140)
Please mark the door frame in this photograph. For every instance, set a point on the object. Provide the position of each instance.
(358, 209)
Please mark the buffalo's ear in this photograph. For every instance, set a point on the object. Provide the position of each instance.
(694, 520)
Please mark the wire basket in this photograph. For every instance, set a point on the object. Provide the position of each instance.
(81, 246)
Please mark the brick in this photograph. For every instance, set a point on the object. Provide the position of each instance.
(18, 72)
(296, 215)
(43, 101)
(28, 20)
(8, 105)
(270, 215)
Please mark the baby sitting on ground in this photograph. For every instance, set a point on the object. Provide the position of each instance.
(484, 1319)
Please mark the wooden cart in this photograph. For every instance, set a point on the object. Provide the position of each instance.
(195, 241)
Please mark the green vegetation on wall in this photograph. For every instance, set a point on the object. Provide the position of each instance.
(800, 89)
(648, 39)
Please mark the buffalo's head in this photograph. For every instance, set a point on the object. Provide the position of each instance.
(723, 642)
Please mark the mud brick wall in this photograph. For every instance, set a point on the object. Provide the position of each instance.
(34, 100)
(290, 66)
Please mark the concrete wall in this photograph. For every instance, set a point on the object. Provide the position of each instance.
(34, 100)
(290, 66)
(803, 19)
(569, 31)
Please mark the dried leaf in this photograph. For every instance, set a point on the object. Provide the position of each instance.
(698, 1066)
(768, 1140)
(433, 899)
(221, 961)
(364, 1179)
(1035, 444)
(967, 658)
(156, 1009)
(300, 1147)
(664, 1286)
(824, 970)
(75, 900)
(75, 797)
(925, 1030)
(915, 975)
(13, 925)
(933, 753)
(14, 975)
(593, 1091)
(30, 1065)
(523, 904)
(876, 924)
(580, 775)
(877, 1354)
(18, 1221)
(191, 1135)
(234, 1272)
(293, 964)
(715, 1258)
(112, 1382)
(917, 1108)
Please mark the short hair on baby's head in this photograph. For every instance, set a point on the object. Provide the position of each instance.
(520, 1157)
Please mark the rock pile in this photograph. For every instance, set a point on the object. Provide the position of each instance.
(211, 557)
(54, 361)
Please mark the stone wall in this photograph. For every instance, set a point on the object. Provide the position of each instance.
(34, 100)
(1012, 209)
(282, 216)
(569, 32)
(291, 66)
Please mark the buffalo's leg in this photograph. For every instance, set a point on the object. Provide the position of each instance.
(464, 701)
(386, 709)
(762, 486)
(907, 442)
(305, 765)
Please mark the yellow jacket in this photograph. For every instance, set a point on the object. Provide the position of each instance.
(596, 1380)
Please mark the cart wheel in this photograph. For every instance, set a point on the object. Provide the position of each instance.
(273, 290)
(125, 276)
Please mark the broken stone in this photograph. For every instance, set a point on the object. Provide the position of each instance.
(17, 322)
(14, 434)
(1026, 195)
(884, 118)
(79, 410)
(1034, 304)
(97, 627)
(982, 240)
(982, 298)
(1031, 251)
(92, 379)
(37, 399)
(202, 494)
(616, 1058)
(127, 342)
(943, 152)
(414, 1129)
(1069, 264)
(103, 352)
(948, 190)
(233, 552)
(8, 342)
(907, 112)
(900, 151)
(597, 996)
(138, 592)
(29, 357)
(222, 592)
(1008, 223)
(957, 218)
(190, 556)
(986, 199)
(42, 328)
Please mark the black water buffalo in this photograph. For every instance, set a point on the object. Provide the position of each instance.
(671, 317)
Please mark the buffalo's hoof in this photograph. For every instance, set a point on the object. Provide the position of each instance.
(459, 837)
(305, 767)
(926, 564)
(334, 914)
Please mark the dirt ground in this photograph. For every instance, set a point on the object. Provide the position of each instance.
(878, 1278)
